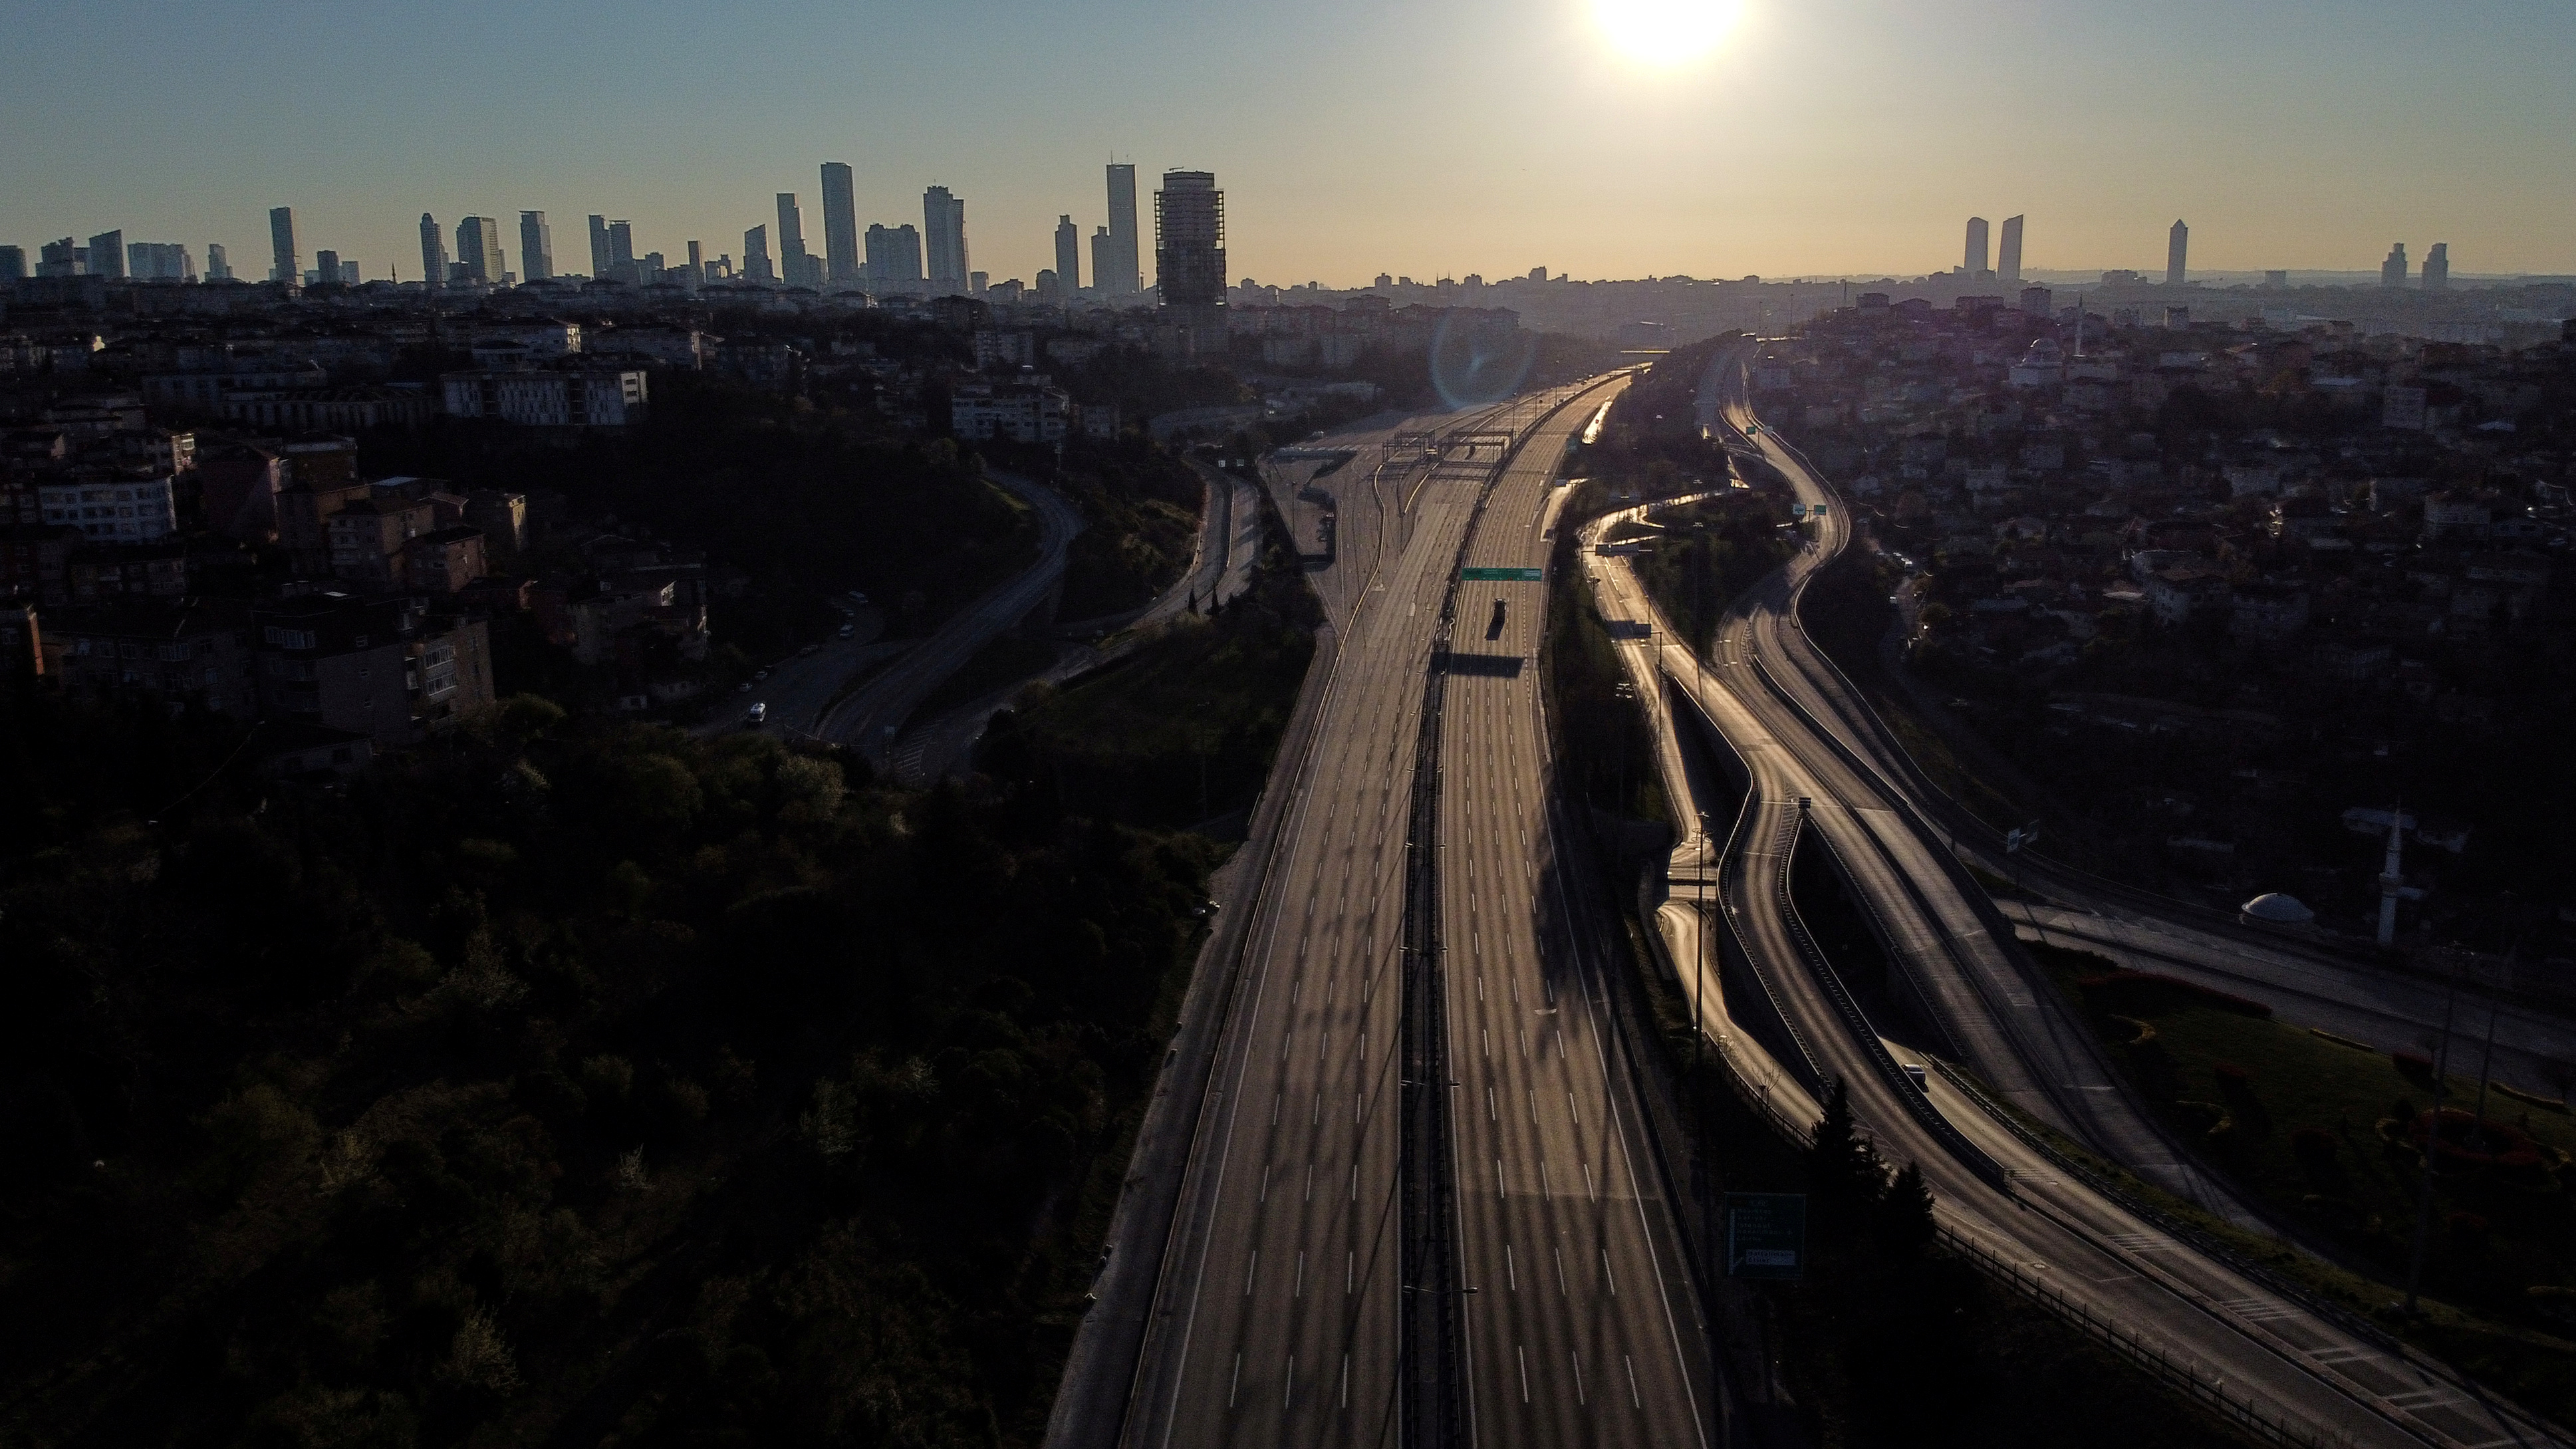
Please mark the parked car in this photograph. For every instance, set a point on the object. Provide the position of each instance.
(757, 714)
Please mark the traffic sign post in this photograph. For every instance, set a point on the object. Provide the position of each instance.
(1766, 1235)
(1501, 576)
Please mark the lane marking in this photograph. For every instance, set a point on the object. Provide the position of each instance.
(1633, 1399)
(1524, 1358)
(1577, 1360)
(1249, 1269)
(1234, 1385)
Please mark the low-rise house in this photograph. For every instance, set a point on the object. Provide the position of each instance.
(196, 650)
(1023, 413)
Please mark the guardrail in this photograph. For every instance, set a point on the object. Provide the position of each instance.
(2200, 1239)
(1725, 865)
(2193, 1379)
(1857, 1022)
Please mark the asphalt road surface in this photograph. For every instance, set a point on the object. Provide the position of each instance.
(871, 718)
(2319, 1373)
(1275, 1320)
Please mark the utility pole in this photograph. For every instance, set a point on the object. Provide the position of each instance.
(2432, 1144)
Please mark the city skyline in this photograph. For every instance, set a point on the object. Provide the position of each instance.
(2103, 126)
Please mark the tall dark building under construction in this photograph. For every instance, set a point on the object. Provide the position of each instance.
(1189, 257)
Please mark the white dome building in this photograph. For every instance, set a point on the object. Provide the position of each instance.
(2044, 365)
(2277, 911)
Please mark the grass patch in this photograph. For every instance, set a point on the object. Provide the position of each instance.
(2308, 1125)
(1601, 733)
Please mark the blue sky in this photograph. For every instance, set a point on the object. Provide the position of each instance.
(1427, 137)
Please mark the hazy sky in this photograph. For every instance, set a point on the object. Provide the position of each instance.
(1422, 136)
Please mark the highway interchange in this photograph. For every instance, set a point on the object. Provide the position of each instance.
(1264, 1299)
(2325, 1377)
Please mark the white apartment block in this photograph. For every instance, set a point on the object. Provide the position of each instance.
(548, 399)
(122, 510)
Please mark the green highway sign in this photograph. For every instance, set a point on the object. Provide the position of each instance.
(1502, 576)
(1766, 1234)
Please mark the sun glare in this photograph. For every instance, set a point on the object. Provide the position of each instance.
(1665, 32)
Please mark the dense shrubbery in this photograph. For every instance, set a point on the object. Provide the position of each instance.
(1140, 508)
(1183, 729)
(569, 1081)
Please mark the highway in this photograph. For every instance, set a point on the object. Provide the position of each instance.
(1583, 1329)
(1275, 1307)
(2321, 1376)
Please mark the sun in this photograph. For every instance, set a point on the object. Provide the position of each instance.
(1665, 32)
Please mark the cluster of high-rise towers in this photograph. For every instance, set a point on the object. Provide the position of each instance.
(932, 258)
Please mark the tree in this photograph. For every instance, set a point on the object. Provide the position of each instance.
(1843, 1168)
(1905, 1226)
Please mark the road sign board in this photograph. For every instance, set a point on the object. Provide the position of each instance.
(1820, 509)
(1502, 576)
(1766, 1234)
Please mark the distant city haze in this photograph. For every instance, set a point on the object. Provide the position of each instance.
(1434, 138)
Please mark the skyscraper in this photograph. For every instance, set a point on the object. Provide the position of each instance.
(1068, 256)
(840, 226)
(696, 276)
(943, 238)
(2392, 272)
(1104, 259)
(158, 262)
(621, 251)
(1975, 264)
(599, 255)
(2177, 252)
(478, 246)
(219, 268)
(1189, 256)
(792, 261)
(536, 247)
(107, 254)
(433, 251)
(326, 268)
(284, 265)
(1124, 276)
(2008, 260)
(755, 256)
(13, 264)
(2437, 268)
(894, 258)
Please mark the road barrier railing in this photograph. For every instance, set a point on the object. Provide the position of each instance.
(2201, 1383)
